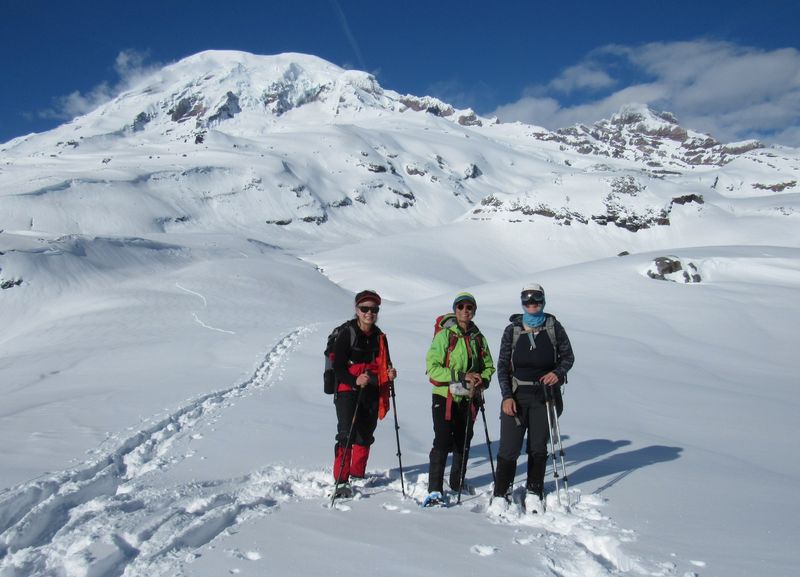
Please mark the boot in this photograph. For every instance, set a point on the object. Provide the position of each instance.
(438, 460)
(504, 477)
(457, 474)
(537, 463)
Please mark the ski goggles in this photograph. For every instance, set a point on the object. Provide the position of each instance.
(532, 297)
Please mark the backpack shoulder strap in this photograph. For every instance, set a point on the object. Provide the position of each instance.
(550, 327)
(479, 349)
(517, 331)
(452, 341)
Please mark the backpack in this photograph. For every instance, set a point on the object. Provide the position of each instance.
(329, 375)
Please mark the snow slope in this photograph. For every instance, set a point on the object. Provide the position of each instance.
(160, 352)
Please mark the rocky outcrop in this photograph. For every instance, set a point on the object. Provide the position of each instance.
(228, 109)
(778, 187)
(672, 268)
(10, 283)
(639, 133)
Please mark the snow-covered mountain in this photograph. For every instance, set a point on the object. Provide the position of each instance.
(171, 263)
(275, 145)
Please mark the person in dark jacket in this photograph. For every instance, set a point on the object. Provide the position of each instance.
(535, 353)
(363, 371)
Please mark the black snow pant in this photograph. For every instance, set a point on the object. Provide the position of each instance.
(448, 436)
(366, 419)
(531, 418)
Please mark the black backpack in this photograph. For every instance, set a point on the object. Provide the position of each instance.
(329, 375)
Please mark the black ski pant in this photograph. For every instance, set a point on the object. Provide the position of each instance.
(448, 436)
(531, 419)
(366, 417)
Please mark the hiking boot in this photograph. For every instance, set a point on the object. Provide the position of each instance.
(343, 491)
(435, 499)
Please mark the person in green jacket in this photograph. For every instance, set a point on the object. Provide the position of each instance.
(459, 366)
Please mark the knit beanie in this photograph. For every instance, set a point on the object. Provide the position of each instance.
(461, 297)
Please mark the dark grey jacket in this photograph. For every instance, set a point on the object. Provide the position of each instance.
(563, 354)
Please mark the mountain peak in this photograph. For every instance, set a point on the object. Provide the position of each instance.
(640, 133)
(643, 117)
(185, 99)
(246, 94)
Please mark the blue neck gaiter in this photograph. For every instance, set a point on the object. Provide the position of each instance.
(533, 320)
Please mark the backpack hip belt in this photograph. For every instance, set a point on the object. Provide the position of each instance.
(515, 383)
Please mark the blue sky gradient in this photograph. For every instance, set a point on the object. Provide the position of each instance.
(728, 68)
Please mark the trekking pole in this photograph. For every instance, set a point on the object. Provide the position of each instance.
(548, 406)
(347, 445)
(488, 442)
(561, 452)
(463, 472)
(397, 435)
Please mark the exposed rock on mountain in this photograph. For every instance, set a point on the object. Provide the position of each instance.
(655, 138)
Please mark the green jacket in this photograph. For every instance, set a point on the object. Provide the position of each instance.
(443, 369)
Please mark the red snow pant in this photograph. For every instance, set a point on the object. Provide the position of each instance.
(353, 462)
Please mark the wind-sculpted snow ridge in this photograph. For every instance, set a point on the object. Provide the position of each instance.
(54, 525)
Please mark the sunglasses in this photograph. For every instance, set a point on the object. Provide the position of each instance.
(373, 310)
(462, 306)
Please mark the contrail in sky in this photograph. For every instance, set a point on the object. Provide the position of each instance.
(353, 44)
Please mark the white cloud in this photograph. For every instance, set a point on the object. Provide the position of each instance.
(76, 103)
(582, 76)
(729, 91)
(549, 112)
(130, 67)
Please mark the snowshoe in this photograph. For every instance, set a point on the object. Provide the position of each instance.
(533, 503)
(435, 499)
(499, 505)
(343, 491)
(363, 482)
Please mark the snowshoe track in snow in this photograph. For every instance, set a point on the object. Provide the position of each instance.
(61, 518)
(579, 542)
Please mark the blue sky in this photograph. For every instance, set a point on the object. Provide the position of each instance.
(728, 68)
